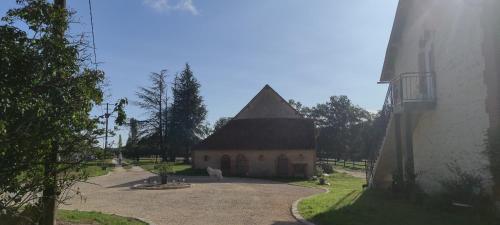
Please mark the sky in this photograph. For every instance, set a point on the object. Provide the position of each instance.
(306, 50)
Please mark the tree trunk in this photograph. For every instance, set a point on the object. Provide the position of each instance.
(49, 196)
(49, 205)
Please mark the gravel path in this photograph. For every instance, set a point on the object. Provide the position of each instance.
(231, 201)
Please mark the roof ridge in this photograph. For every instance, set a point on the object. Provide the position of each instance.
(267, 86)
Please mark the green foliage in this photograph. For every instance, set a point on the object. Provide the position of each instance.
(46, 96)
(318, 171)
(463, 188)
(344, 130)
(153, 99)
(221, 122)
(326, 167)
(165, 168)
(187, 113)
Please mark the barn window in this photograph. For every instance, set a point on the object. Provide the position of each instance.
(206, 158)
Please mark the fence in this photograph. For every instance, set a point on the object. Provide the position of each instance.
(354, 165)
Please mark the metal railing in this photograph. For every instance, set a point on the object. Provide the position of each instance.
(406, 88)
(413, 87)
(381, 123)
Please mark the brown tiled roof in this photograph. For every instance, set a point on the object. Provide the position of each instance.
(261, 134)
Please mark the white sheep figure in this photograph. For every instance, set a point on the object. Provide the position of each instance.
(214, 173)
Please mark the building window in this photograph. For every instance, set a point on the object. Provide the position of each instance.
(205, 158)
(261, 157)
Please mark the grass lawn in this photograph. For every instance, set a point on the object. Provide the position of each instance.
(75, 217)
(179, 168)
(348, 204)
(93, 169)
(79, 217)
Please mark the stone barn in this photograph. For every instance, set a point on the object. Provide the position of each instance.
(268, 137)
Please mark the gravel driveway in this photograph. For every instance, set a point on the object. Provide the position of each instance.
(231, 201)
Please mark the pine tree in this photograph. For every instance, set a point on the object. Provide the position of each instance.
(187, 113)
(154, 100)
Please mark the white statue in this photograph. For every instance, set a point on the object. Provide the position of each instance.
(214, 173)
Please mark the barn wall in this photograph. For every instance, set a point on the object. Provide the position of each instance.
(262, 163)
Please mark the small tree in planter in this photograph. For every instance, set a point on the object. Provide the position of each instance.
(164, 170)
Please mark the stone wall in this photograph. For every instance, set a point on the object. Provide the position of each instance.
(262, 163)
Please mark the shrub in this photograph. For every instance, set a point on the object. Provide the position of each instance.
(465, 188)
(318, 172)
(326, 167)
(165, 169)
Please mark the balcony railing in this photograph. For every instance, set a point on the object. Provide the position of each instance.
(413, 91)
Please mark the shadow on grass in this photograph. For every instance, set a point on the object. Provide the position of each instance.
(381, 208)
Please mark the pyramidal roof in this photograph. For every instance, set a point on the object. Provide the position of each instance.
(268, 104)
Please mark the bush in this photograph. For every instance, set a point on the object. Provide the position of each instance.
(326, 167)
(165, 169)
(464, 189)
(318, 172)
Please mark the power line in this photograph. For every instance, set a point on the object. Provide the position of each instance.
(93, 35)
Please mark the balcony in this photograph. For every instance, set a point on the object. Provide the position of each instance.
(413, 92)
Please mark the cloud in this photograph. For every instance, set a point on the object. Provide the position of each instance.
(168, 5)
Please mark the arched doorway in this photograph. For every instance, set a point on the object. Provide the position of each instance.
(225, 165)
(241, 165)
(282, 166)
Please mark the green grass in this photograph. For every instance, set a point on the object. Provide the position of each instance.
(79, 217)
(73, 217)
(348, 204)
(94, 168)
(179, 168)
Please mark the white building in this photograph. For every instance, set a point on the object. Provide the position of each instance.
(442, 66)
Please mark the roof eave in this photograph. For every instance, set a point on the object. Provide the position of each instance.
(388, 71)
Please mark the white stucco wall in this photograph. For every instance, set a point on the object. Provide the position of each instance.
(453, 133)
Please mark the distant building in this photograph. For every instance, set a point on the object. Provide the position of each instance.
(443, 69)
(267, 138)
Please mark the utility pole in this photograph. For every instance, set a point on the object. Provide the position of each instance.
(106, 116)
(161, 119)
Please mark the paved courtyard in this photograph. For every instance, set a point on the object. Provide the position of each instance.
(231, 201)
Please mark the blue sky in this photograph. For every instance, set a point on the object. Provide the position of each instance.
(306, 50)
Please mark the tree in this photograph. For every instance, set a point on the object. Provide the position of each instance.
(187, 113)
(154, 100)
(221, 122)
(131, 148)
(46, 95)
(303, 110)
(120, 143)
(341, 126)
(338, 117)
